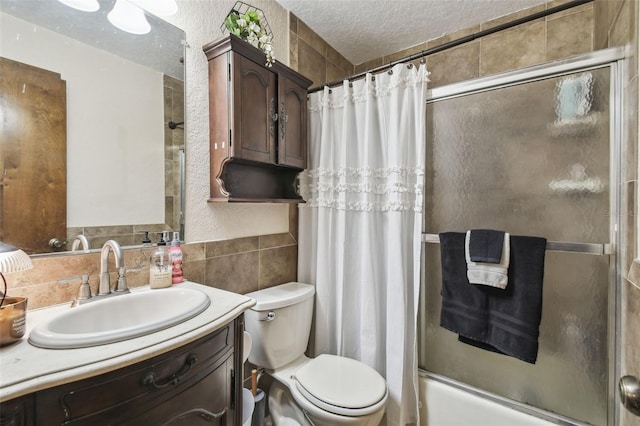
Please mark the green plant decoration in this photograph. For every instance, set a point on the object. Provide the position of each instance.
(248, 27)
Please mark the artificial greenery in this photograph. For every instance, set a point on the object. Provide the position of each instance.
(248, 27)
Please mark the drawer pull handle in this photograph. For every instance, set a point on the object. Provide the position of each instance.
(151, 378)
(273, 111)
(205, 414)
(283, 120)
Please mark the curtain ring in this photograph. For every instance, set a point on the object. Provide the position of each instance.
(351, 84)
(373, 78)
(390, 72)
(423, 60)
(330, 91)
(409, 65)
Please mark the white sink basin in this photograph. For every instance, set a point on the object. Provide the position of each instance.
(119, 318)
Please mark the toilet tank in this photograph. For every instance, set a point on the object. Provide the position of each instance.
(279, 324)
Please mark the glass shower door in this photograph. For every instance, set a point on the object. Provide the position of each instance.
(532, 158)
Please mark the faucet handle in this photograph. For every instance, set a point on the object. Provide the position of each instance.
(84, 292)
(85, 289)
(121, 286)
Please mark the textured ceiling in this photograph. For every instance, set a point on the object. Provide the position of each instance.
(362, 30)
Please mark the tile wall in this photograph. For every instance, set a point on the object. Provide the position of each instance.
(313, 57)
(619, 25)
(240, 265)
(126, 235)
(559, 35)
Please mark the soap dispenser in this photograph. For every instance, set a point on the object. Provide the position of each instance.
(175, 258)
(145, 239)
(160, 269)
(161, 238)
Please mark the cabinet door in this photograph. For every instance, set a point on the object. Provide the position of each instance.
(292, 144)
(205, 403)
(254, 111)
(17, 412)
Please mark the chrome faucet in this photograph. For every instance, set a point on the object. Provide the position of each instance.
(80, 239)
(105, 288)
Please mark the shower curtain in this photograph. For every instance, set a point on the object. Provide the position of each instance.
(360, 229)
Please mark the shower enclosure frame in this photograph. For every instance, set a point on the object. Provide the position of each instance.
(614, 58)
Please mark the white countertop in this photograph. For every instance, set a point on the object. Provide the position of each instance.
(25, 368)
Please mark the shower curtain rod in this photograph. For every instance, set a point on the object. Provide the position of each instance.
(459, 41)
(584, 248)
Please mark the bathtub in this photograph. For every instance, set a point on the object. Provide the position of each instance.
(445, 405)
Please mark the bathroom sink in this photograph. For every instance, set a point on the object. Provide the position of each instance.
(119, 318)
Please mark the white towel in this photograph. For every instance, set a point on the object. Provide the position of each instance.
(491, 274)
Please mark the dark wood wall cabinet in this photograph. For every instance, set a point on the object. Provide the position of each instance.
(257, 123)
(192, 385)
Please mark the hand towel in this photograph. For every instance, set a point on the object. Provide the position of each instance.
(493, 274)
(485, 245)
(504, 321)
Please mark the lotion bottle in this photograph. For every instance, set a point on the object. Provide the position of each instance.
(175, 258)
(160, 269)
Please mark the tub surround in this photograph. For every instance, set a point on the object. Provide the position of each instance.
(26, 368)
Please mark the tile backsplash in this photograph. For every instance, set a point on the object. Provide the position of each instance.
(240, 265)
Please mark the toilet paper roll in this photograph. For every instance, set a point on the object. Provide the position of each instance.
(247, 344)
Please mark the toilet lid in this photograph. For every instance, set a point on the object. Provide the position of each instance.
(339, 384)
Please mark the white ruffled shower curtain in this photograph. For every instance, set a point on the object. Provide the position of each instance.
(360, 228)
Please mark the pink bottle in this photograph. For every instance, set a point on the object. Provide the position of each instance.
(175, 258)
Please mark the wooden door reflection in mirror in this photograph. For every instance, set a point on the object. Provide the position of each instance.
(33, 156)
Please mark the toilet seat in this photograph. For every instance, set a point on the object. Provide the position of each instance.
(341, 385)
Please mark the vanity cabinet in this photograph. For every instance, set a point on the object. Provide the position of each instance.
(257, 123)
(195, 384)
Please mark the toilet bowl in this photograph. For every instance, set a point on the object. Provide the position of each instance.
(326, 390)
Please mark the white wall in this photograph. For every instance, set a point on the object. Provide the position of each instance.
(101, 138)
(201, 20)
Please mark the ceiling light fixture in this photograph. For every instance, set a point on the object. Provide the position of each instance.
(83, 5)
(129, 17)
(157, 7)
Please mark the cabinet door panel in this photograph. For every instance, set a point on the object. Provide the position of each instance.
(17, 412)
(254, 105)
(292, 147)
(205, 403)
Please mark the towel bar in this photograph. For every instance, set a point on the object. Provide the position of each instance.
(584, 248)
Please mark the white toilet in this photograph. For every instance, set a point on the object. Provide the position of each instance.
(326, 390)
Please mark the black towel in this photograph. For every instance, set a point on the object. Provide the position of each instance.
(504, 321)
(485, 245)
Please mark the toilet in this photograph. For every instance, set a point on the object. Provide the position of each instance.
(326, 390)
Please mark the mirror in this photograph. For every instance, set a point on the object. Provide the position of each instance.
(92, 119)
